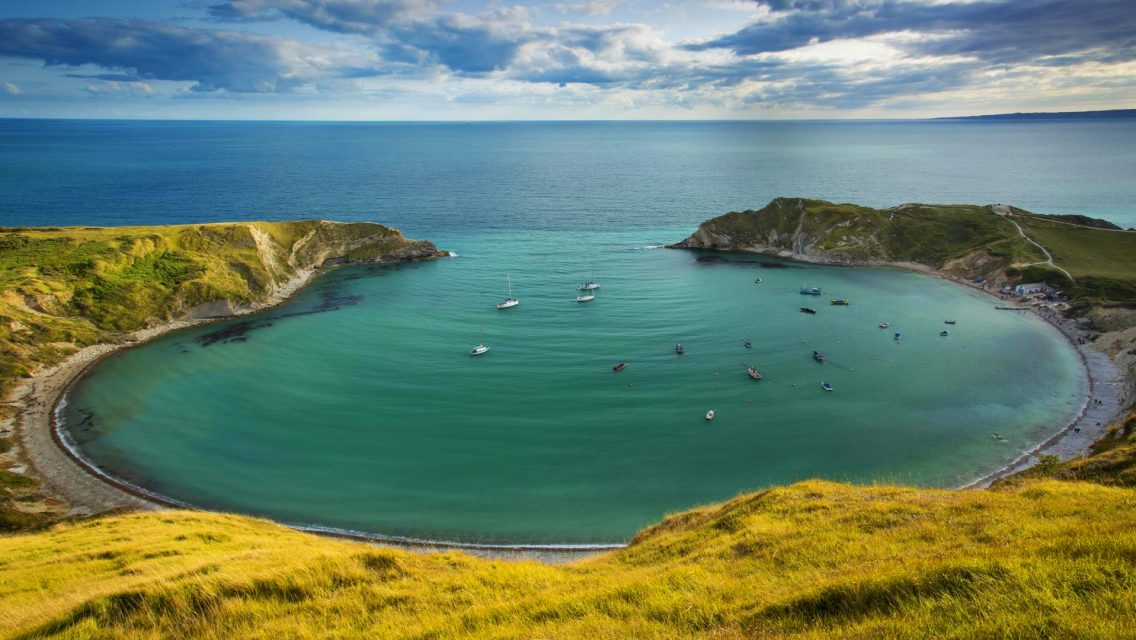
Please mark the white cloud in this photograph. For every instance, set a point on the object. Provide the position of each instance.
(12, 89)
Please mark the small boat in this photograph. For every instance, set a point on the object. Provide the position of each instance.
(897, 336)
(818, 356)
(589, 286)
(619, 367)
(949, 322)
(944, 333)
(758, 281)
(587, 297)
(810, 291)
(480, 348)
(808, 310)
(709, 415)
(510, 301)
(679, 350)
(998, 436)
(885, 325)
(840, 303)
(826, 386)
(753, 373)
(748, 344)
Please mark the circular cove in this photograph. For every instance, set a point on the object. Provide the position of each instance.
(356, 406)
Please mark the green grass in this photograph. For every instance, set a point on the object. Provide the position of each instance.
(65, 288)
(964, 240)
(813, 560)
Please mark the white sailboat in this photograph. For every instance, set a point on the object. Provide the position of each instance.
(480, 348)
(590, 285)
(510, 301)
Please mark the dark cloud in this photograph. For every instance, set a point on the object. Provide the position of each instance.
(213, 60)
(340, 16)
(997, 32)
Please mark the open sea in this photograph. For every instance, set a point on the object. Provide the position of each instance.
(355, 405)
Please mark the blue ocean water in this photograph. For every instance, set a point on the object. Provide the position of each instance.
(430, 179)
(372, 416)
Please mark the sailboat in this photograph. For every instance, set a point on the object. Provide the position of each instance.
(587, 297)
(480, 348)
(590, 285)
(510, 301)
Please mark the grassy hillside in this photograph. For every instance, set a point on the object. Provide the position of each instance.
(61, 289)
(966, 240)
(812, 560)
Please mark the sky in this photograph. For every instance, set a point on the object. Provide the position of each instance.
(565, 59)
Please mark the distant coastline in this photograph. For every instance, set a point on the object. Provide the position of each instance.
(1051, 115)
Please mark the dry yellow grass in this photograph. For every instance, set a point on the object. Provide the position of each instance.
(816, 559)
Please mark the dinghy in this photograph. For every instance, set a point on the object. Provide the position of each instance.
(826, 386)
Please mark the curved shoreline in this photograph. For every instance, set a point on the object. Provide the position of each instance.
(90, 490)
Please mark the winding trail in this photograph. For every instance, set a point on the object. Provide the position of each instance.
(1005, 212)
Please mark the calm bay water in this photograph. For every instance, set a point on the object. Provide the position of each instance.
(355, 405)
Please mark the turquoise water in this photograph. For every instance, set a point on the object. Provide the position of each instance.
(369, 414)
(355, 405)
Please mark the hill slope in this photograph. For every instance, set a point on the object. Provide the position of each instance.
(963, 240)
(812, 560)
(65, 288)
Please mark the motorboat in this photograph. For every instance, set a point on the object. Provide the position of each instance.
(944, 333)
(619, 367)
(753, 373)
(885, 325)
(818, 356)
(826, 386)
(841, 303)
(810, 291)
(679, 350)
(808, 310)
(748, 344)
(587, 297)
(590, 285)
(709, 415)
(949, 322)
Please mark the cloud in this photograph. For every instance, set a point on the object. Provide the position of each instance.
(11, 89)
(997, 32)
(212, 60)
(340, 16)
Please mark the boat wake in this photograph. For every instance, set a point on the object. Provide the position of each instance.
(649, 246)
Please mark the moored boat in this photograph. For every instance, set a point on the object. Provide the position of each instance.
(810, 291)
(679, 350)
(587, 297)
(826, 386)
(841, 303)
(709, 415)
(948, 322)
(510, 301)
(818, 356)
(885, 325)
(944, 333)
(619, 367)
(480, 349)
(753, 373)
(808, 310)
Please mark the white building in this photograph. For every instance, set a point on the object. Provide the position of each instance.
(1033, 287)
